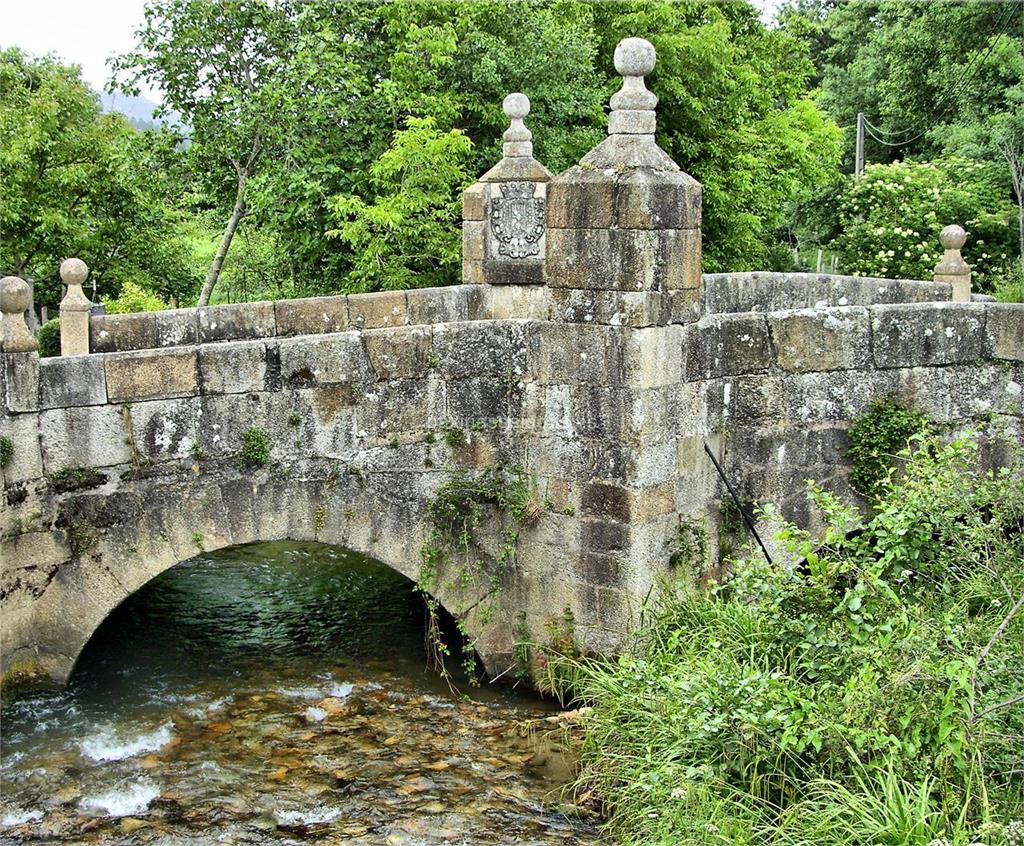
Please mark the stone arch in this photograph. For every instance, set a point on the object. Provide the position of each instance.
(120, 539)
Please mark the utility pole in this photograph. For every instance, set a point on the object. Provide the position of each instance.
(858, 167)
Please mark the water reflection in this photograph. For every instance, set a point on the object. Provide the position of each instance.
(276, 692)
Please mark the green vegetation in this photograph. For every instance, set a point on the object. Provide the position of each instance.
(133, 298)
(452, 556)
(6, 451)
(75, 478)
(255, 451)
(870, 694)
(877, 439)
(1009, 285)
(48, 338)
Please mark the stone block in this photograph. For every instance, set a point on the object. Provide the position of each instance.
(232, 368)
(485, 348)
(237, 322)
(377, 310)
(821, 339)
(76, 380)
(473, 240)
(581, 353)
(324, 360)
(164, 430)
(311, 316)
(151, 374)
(84, 436)
(657, 200)
(26, 460)
(1004, 325)
(143, 330)
(623, 259)
(653, 357)
(606, 501)
(520, 272)
(472, 272)
(516, 302)
(612, 308)
(404, 352)
(19, 374)
(426, 306)
(726, 345)
(928, 334)
(392, 408)
(474, 201)
(581, 199)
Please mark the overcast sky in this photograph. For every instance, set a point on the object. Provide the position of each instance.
(88, 32)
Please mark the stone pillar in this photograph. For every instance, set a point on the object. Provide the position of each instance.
(953, 268)
(503, 228)
(15, 299)
(74, 309)
(19, 376)
(626, 218)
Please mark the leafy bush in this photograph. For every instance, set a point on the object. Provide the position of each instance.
(48, 338)
(1009, 285)
(133, 297)
(876, 438)
(255, 450)
(891, 219)
(863, 696)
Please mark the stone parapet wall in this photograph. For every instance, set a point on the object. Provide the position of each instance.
(284, 318)
(769, 291)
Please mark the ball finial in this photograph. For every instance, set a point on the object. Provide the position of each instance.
(73, 271)
(15, 295)
(516, 106)
(953, 237)
(635, 57)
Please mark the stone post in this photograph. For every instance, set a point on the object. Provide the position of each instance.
(503, 229)
(74, 309)
(953, 268)
(20, 373)
(15, 299)
(626, 218)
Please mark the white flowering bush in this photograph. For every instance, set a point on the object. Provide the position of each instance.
(890, 220)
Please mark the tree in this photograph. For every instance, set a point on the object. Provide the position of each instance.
(219, 65)
(79, 183)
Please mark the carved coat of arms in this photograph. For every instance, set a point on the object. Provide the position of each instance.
(517, 220)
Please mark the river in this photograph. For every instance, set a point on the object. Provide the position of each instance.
(278, 693)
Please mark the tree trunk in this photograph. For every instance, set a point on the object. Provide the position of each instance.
(225, 242)
(1020, 219)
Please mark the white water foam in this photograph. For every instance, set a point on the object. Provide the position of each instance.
(310, 817)
(314, 714)
(126, 801)
(20, 817)
(340, 690)
(107, 745)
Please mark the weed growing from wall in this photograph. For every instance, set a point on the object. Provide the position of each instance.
(453, 552)
(255, 450)
(877, 438)
(6, 451)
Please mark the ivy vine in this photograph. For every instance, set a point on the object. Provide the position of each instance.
(453, 553)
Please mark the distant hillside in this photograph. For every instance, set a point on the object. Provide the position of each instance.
(138, 109)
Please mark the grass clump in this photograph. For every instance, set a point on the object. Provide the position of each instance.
(255, 450)
(871, 694)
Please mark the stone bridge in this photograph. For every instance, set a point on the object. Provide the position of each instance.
(584, 346)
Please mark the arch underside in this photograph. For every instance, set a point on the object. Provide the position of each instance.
(121, 540)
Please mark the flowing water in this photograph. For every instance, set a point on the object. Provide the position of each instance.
(277, 693)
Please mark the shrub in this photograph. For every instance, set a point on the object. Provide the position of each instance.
(133, 297)
(48, 338)
(890, 220)
(876, 439)
(6, 451)
(1009, 284)
(255, 450)
(863, 696)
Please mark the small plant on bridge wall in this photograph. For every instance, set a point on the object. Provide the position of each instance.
(877, 438)
(255, 450)
(453, 551)
(6, 451)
